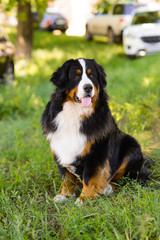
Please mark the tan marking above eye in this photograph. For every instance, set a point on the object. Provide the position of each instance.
(78, 71)
(89, 71)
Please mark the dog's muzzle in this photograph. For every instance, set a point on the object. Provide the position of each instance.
(86, 101)
(85, 94)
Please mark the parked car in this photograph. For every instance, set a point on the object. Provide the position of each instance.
(111, 24)
(7, 51)
(143, 35)
(53, 21)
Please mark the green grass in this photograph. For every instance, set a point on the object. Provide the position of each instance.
(29, 178)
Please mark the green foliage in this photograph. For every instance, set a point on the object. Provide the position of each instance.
(104, 6)
(39, 5)
(29, 178)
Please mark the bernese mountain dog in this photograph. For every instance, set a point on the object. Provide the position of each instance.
(85, 141)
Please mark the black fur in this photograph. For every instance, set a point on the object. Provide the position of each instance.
(60, 77)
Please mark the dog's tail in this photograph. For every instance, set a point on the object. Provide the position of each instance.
(146, 173)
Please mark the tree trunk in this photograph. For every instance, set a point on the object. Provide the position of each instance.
(25, 30)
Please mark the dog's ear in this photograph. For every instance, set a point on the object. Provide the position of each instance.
(60, 77)
(101, 74)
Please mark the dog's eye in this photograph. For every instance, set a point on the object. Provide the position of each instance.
(91, 75)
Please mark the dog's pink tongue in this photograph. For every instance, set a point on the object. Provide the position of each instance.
(86, 101)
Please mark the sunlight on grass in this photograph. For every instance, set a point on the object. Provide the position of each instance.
(146, 81)
(21, 67)
(42, 56)
(33, 69)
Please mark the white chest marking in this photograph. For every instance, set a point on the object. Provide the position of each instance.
(67, 141)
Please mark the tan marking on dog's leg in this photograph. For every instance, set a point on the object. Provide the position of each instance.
(68, 188)
(96, 184)
(69, 184)
(121, 170)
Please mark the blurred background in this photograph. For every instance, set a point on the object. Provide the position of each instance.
(79, 18)
(68, 15)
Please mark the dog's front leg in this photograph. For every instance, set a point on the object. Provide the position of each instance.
(96, 184)
(89, 192)
(68, 187)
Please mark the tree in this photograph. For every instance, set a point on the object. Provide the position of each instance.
(25, 30)
(25, 24)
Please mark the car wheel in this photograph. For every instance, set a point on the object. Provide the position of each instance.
(118, 39)
(132, 57)
(88, 36)
(63, 31)
(111, 37)
(9, 72)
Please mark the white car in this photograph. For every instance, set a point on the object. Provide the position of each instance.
(143, 35)
(111, 24)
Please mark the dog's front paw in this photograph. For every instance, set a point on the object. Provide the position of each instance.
(60, 198)
(78, 202)
(108, 190)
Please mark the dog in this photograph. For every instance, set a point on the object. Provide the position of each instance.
(85, 141)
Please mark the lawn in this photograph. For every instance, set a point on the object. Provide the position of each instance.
(29, 178)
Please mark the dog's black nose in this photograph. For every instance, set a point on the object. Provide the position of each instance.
(87, 88)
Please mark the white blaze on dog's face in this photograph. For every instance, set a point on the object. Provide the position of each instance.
(85, 88)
